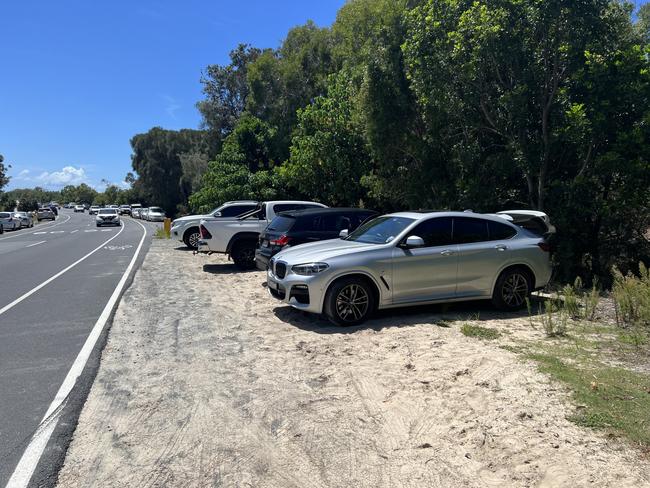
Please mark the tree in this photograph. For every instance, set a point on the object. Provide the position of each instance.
(4, 179)
(226, 90)
(156, 160)
(329, 155)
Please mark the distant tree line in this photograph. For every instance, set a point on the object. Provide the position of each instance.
(449, 104)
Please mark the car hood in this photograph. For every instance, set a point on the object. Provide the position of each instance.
(322, 251)
(189, 218)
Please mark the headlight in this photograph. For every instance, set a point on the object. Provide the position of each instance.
(309, 268)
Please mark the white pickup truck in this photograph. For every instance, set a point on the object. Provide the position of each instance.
(238, 237)
(186, 229)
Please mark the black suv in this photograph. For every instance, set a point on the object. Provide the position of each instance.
(301, 226)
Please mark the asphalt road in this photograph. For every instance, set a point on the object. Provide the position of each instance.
(41, 336)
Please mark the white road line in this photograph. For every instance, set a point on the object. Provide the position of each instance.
(50, 280)
(51, 224)
(76, 230)
(25, 468)
(107, 230)
(90, 230)
(57, 232)
(37, 233)
(36, 244)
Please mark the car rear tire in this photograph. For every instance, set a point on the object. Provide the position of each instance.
(512, 289)
(350, 301)
(243, 254)
(191, 238)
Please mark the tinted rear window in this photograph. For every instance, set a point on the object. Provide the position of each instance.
(237, 210)
(283, 207)
(281, 224)
(467, 230)
(4, 215)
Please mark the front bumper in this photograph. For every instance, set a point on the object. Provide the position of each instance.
(302, 292)
(155, 218)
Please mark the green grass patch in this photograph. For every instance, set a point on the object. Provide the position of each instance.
(480, 332)
(161, 234)
(613, 399)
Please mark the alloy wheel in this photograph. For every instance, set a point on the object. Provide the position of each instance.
(515, 290)
(352, 303)
(193, 239)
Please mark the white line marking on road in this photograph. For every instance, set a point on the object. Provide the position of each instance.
(37, 233)
(25, 468)
(36, 244)
(91, 230)
(57, 232)
(51, 224)
(107, 230)
(76, 230)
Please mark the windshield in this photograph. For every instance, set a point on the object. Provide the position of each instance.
(155, 209)
(381, 230)
(108, 211)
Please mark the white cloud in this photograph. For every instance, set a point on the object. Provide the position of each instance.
(69, 175)
(171, 105)
(23, 175)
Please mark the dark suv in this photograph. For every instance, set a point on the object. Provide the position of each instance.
(302, 226)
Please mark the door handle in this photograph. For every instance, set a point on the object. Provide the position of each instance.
(447, 252)
(500, 247)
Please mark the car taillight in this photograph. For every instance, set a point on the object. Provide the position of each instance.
(204, 233)
(281, 241)
(544, 246)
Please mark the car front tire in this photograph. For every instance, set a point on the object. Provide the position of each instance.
(350, 301)
(191, 238)
(512, 289)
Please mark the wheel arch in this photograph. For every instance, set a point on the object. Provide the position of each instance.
(523, 266)
(241, 237)
(187, 232)
(374, 286)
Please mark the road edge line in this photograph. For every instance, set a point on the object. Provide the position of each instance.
(24, 470)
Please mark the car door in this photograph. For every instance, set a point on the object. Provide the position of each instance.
(429, 272)
(481, 255)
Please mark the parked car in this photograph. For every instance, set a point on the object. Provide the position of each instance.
(302, 226)
(135, 213)
(186, 229)
(238, 237)
(107, 216)
(25, 219)
(125, 210)
(413, 258)
(143, 213)
(155, 214)
(79, 208)
(45, 213)
(93, 210)
(9, 221)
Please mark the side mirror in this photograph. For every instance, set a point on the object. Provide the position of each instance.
(414, 242)
(217, 214)
(344, 233)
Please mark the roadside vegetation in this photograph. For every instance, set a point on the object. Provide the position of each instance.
(598, 346)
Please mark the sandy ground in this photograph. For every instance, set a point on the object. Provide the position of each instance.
(207, 381)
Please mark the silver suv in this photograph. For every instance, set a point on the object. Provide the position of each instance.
(412, 258)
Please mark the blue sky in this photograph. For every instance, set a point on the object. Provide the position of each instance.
(78, 78)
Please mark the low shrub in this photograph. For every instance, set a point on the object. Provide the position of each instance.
(632, 297)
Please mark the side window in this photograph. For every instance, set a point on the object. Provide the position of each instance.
(500, 231)
(236, 210)
(332, 223)
(434, 232)
(468, 230)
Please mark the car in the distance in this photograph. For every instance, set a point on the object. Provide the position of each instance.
(135, 212)
(79, 208)
(9, 221)
(125, 210)
(412, 258)
(93, 210)
(155, 214)
(45, 213)
(186, 229)
(302, 226)
(25, 219)
(107, 216)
